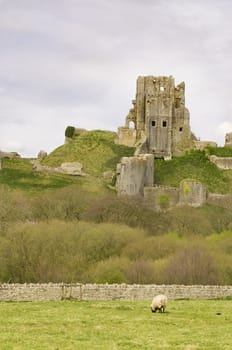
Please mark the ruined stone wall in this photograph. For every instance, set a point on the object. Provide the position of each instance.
(68, 168)
(160, 114)
(134, 173)
(192, 193)
(127, 136)
(9, 155)
(161, 197)
(107, 292)
(228, 140)
(220, 200)
(201, 145)
(224, 163)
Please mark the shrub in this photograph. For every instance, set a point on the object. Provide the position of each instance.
(140, 271)
(69, 131)
(111, 270)
(163, 201)
(191, 265)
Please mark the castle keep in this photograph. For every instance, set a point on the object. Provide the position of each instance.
(158, 126)
(158, 123)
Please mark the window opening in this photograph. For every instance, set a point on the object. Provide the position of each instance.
(164, 123)
(131, 125)
(180, 129)
(153, 123)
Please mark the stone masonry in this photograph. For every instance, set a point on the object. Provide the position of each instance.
(107, 292)
(134, 174)
(228, 140)
(224, 163)
(158, 123)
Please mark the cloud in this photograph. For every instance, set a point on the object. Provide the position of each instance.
(224, 128)
(76, 62)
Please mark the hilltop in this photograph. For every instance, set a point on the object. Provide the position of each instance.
(96, 150)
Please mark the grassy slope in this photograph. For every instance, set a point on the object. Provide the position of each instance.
(98, 153)
(187, 325)
(18, 174)
(195, 165)
(96, 150)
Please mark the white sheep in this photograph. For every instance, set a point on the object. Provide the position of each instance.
(159, 302)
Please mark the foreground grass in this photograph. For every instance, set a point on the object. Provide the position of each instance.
(186, 325)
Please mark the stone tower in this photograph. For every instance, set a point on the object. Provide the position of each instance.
(158, 123)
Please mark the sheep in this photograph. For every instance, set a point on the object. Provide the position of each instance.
(159, 302)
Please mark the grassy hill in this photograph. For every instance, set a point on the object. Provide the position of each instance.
(98, 153)
(72, 228)
(96, 150)
(194, 165)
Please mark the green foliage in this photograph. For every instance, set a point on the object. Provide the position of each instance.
(194, 164)
(127, 211)
(127, 325)
(18, 174)
(186, 190)
(68, 203)
(76, 251)
(69, 131)
(220, 151)
(13, 207)
(66, 228)
(111, 270)
(184, 221)
(192, 265)
(163, 201)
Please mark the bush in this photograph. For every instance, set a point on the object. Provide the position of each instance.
(191, 265)
(111, 270)
(163, 201)
(69, 131)
(140, 271)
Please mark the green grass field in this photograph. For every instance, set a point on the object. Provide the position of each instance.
(186, 324)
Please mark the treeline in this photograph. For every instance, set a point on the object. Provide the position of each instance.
(71, 235)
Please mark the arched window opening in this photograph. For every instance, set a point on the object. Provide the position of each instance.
(131, 125)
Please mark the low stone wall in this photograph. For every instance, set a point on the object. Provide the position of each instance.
(224, 163)
(106, 292)
(161, 197)
(134, 173)
(221, 200)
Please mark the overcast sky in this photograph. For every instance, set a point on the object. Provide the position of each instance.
(75, 62)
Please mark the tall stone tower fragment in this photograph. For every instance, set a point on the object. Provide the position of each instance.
(158, 123)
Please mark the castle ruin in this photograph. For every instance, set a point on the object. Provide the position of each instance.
(158, 123)
(158, 126)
